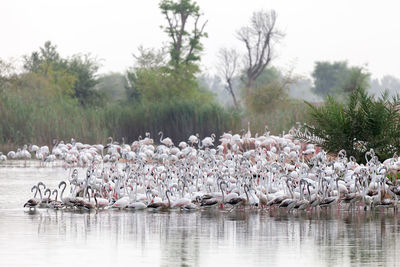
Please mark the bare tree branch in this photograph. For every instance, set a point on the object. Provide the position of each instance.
(228, 68)
(244, 36)
(258, 39)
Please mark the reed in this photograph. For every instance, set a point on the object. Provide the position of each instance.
(176, 119)
(281, 118)
(41, 118)
(37, 117)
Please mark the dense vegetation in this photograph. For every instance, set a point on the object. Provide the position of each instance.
(358, 125)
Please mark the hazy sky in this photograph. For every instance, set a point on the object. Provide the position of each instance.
(362, 32)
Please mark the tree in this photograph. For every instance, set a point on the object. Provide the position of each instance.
(76, 76)
(154, 78)
(337, 78)
(228, 69)
(41, 61)
(269, 89)
(149, 67)
(259, 38)
(185, 45)
(84, 68)
(149, 80)
(47, 63)
(150, 58)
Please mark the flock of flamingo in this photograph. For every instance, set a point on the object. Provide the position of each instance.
(265, 172)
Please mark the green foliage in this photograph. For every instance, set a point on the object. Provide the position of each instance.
(150, 58)
(146, 78)
(58, 97)
(84, 68)
(156, 85)
(337, 78)
(7, 73)
(150, 81)
(185, 45)
(356, 126)
(270, 89)
(39, 62)
(76, 76)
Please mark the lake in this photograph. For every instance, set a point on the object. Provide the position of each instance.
(202, 238)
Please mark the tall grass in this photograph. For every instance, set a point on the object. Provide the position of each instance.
(176, 119)
(35, 116)
(32, 117)
(281, 118)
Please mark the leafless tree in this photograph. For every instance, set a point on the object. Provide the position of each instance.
(259, 38)
(228, 67)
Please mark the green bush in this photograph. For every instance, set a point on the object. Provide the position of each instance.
(358, 125)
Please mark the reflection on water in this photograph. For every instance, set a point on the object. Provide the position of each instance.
(205, 238)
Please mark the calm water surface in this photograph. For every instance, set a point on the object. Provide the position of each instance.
(203, 238)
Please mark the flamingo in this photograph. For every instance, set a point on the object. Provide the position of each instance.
(166, 141)
(33, 202)
(121, 203)
(56, 204)
(162, 205)
(193, 139)
(101, 202)
(11, 155)
(208, 141)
